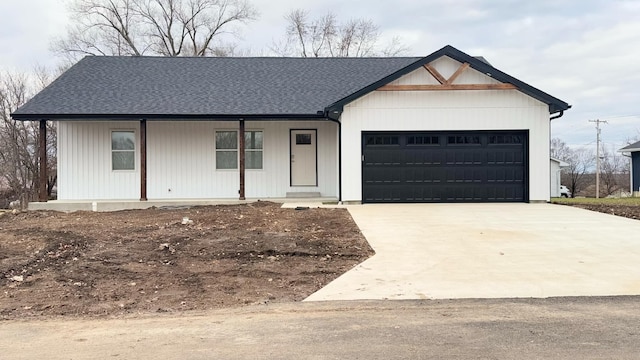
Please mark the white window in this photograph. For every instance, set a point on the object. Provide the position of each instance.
(123, 150)
(253, 149)
(227, 149)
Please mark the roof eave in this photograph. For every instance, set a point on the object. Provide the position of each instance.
(635, 147)
(166, 117)
(629, 150)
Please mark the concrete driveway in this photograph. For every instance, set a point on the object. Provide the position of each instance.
(445, 251)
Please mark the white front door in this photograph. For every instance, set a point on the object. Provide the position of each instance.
(303, 158)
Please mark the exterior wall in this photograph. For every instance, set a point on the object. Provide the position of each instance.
(635, 173)
(181, 161)
(84, 162)
(445, 110)
(555, 178)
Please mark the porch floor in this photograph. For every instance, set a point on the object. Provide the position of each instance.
(115, 205)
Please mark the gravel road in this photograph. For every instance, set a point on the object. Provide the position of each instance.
(558, 328)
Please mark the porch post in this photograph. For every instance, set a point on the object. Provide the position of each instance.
(42, 181)
(241, 153)
(143, 160)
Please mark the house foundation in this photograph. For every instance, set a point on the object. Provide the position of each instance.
(116, 205)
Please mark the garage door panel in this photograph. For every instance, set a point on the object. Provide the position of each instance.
(423, 156)
(464, 193)
(384, 157)
(381, 174)
(505, 175)
(505, 193)
(381, 193)
(422, 175)
(424, 194)
(445, 167)
(464, 156)
(505, 157)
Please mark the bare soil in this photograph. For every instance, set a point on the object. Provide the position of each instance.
(87, 264)
(628, 211)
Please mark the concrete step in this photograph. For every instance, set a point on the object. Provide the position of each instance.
(303, 195)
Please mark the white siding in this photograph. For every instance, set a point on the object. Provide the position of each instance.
(555, 178)
(445, 110)
(181, 161)
(84, 162)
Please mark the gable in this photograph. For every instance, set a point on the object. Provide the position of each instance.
(481, 70)
(446, 67)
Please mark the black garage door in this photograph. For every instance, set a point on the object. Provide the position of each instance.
(478, 166)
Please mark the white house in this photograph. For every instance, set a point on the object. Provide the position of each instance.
(556, 167)
(447, 127)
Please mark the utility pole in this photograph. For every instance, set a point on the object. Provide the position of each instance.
(598, 121)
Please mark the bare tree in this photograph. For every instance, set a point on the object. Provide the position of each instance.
(559, 149)
(614, 171)
(155, 27)
(19, 162)
(326, 37)
(581, 162)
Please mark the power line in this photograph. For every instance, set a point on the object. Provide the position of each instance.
(621, 116)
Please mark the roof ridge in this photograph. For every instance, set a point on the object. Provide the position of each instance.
(246, 57)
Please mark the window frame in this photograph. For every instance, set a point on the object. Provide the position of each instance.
(237, 149)
(394, 140)
(464, 142)
(495, 140)
(134, 150)
(247, 150)
(422, 137)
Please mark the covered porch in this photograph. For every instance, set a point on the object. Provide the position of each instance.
(106, 165)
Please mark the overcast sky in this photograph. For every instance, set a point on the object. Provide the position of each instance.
(585, 52)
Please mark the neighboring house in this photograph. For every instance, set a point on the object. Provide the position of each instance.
(634, 151)
(556, 168)
(448, 127)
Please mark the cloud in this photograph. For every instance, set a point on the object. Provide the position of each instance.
(26, 30)
(583, 51)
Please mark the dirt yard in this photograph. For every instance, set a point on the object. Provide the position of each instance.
(628, 211)
(170, 260)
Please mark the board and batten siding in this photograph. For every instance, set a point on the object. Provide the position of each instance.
(445, 111)
(84, 162)
(181, 161)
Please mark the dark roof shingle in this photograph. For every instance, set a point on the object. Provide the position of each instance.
(196, 87)
(207, 86)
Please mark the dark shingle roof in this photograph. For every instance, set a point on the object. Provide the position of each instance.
(207, 86)
(178, 87)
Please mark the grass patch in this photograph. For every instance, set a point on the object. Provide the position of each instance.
(630, 201)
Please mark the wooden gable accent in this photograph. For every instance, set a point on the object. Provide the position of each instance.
(447, 83)
(447, 87)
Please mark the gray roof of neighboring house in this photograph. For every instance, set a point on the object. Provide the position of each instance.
(631, 147)
(561, 163)
(196, 87)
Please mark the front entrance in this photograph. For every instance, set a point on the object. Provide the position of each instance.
(304, 158)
